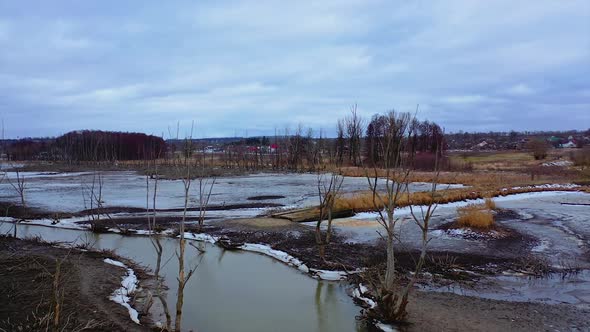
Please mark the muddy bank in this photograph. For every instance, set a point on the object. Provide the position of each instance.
(28, 289)
(429, 311)
(299, 241)
(122, 216)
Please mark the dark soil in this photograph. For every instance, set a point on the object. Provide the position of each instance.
(27, 270)
(431, 311)
(264, 198)
(224, 207)
(300, 242)
(17, 211)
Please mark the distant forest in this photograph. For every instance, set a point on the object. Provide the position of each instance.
(87, 145)
(357, 142)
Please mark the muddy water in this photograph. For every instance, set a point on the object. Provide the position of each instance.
(232, 291)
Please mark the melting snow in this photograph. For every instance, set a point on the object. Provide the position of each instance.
(128, 286)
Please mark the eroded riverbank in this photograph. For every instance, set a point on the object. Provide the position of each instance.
(67, 289)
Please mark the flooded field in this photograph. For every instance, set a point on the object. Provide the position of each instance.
(66, 191)
(238, 290)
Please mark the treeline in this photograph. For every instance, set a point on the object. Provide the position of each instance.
(88, 145)
(359, 141)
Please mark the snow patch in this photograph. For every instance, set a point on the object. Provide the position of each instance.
(467, 233)
(358, 293)
(329, 275)
(558, 163)
(541, 247)
(128, 286)
(201, 237)
(385, 327)
(276, 254)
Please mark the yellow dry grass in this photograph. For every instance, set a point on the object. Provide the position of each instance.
(365, 201)
(480, 179)
(490, 204)
(475, 216)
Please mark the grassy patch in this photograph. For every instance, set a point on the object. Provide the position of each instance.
(475, 216)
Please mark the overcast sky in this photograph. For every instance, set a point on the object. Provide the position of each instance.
(248, 67)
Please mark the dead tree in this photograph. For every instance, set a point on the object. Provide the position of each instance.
(398, 154)
(340, 143)
(19, 187)
(353, 124)
(96, 201)
(206, 184)
(184, 275)
(157, 244)
(328, 189)
(205, 189)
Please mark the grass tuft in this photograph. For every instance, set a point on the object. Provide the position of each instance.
(475, 216)
(490, 204)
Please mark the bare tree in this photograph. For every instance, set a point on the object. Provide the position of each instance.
(19, 187)
(340, 142)
(205, 190)
(398, 154)
(157, 244)
(354, 124)
(328, 189)
(206, 183)
(95, 198)
(184, 275)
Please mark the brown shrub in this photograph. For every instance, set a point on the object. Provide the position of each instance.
(475, 216)
(581, 157)
(539, 148)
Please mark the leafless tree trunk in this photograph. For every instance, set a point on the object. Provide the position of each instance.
(156, 243)
(19, 187)
(353, 124)
(398, 156)
(183, 275)
(328, 190)
(95, 197)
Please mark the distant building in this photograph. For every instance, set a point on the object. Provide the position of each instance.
(569, 144)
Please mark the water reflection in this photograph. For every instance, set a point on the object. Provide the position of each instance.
(232, 290)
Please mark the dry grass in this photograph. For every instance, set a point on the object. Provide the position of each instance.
(480, 179)
(475, 216)
(490, 204)
(364, 201)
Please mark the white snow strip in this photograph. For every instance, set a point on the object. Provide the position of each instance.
(558, 163)
(385, 328)
(329, 275)
(363, 288)
(276, 254)
(128, 286)
(200, 237)
(290, 260)
(358, 293)
(68, 223)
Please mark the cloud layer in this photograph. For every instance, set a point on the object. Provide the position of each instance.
(252, 67)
